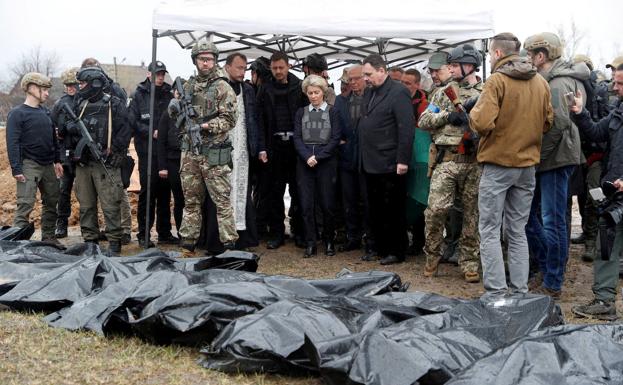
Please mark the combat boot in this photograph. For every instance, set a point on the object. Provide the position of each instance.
(598, 309)
(430, 269)
(114, 248)
(188, 250)
(589, 251)
(472, 277)
(61, 228)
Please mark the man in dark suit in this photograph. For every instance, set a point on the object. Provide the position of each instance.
(386, 130)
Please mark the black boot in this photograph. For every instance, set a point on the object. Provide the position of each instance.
(61, 227)
(329, 249)
(310, 250)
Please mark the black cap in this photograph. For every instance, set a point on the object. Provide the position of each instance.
(159, 67)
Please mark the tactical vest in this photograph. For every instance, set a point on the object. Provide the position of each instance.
(316, 126)
(95, 119)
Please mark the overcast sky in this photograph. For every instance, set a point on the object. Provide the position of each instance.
(104, 29)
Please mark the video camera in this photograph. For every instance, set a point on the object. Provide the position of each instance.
(610, 202)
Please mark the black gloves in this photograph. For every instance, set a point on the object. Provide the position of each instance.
(115, 159)
(458, 118)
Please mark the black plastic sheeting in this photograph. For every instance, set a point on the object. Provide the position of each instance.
(358, 328)
(565, 355)
(399, 338)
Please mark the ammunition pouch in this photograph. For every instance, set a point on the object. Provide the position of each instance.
(451, 154)
(218, 154)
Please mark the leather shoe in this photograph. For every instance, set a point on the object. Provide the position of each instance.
(310, 251)
(351, 244)
(274, 243)
(391, 260)
(329, 249)
(369, 257)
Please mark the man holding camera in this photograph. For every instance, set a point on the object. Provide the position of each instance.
(606, 270)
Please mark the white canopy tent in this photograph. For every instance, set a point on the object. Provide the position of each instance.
(344, 31)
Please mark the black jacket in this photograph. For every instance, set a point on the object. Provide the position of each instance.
(266, 108)
(348, 150)
(139, 114)
(610, 130)
(386, 128)
(251, 117)
(326, 151)
(168, 141)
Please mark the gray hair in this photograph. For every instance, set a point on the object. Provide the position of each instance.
(316, 81)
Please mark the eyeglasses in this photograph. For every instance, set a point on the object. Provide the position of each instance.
(205, 59)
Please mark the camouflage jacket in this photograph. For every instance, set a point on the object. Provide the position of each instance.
(215, 103)
(442, 132)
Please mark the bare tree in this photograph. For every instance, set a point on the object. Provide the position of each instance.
(36, 60)
(572, 37)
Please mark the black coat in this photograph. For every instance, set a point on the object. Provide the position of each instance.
(610, 130)
(139, 114)
(266, 108)
(386, 128)
(348, 150)
(168, 141)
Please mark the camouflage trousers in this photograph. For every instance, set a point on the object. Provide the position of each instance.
(92, 185)
(42, 178)
(195, 173)
(449, 179)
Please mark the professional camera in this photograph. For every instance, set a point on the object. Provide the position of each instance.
(610, 202)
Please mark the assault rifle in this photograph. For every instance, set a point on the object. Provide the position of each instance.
(187, 115)
(87, 143)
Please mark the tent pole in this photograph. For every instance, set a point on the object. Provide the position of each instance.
(152, 100)
(485, 43)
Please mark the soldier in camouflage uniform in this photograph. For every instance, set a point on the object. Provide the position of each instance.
(456, 170)
(209, 162)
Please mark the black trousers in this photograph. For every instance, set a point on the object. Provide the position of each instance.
(317, 182)
(387, 197)
(175, 183)
(355, 203)
(260, 190)
(63, 207)
(281, 172)
(160, 199)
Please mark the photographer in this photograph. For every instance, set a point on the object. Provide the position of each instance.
(610, 130)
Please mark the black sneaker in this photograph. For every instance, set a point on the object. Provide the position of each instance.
(597, 309)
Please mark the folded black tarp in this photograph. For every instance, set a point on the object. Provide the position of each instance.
(565, 355)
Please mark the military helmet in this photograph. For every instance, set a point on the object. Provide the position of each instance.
(584, 59)
(68, 77)
(548, 41)
(465, 54)
(316, 62)
(96, 81)
(615, 63)
(203, 46)
(437, 60)
(35, 78)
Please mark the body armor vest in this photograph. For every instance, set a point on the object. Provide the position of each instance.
(316, 126)
(95, 119)
(450, 135)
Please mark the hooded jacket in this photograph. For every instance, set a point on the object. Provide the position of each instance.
(561, 145)
(512, 113)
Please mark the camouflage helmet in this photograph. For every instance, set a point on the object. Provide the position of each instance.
(465, 54)
(68, 77)
(35, 78)
(548, 41)
(203, 46)
(584, 59)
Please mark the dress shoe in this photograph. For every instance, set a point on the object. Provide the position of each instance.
(168, 239)
(391, 260)
(370, 257)
(141, 242)
(274, 243)
(329, 249)
(351, 244)
(310, 251)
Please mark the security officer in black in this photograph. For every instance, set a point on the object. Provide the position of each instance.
(160, 190)
(59, 118)
(106, 118)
